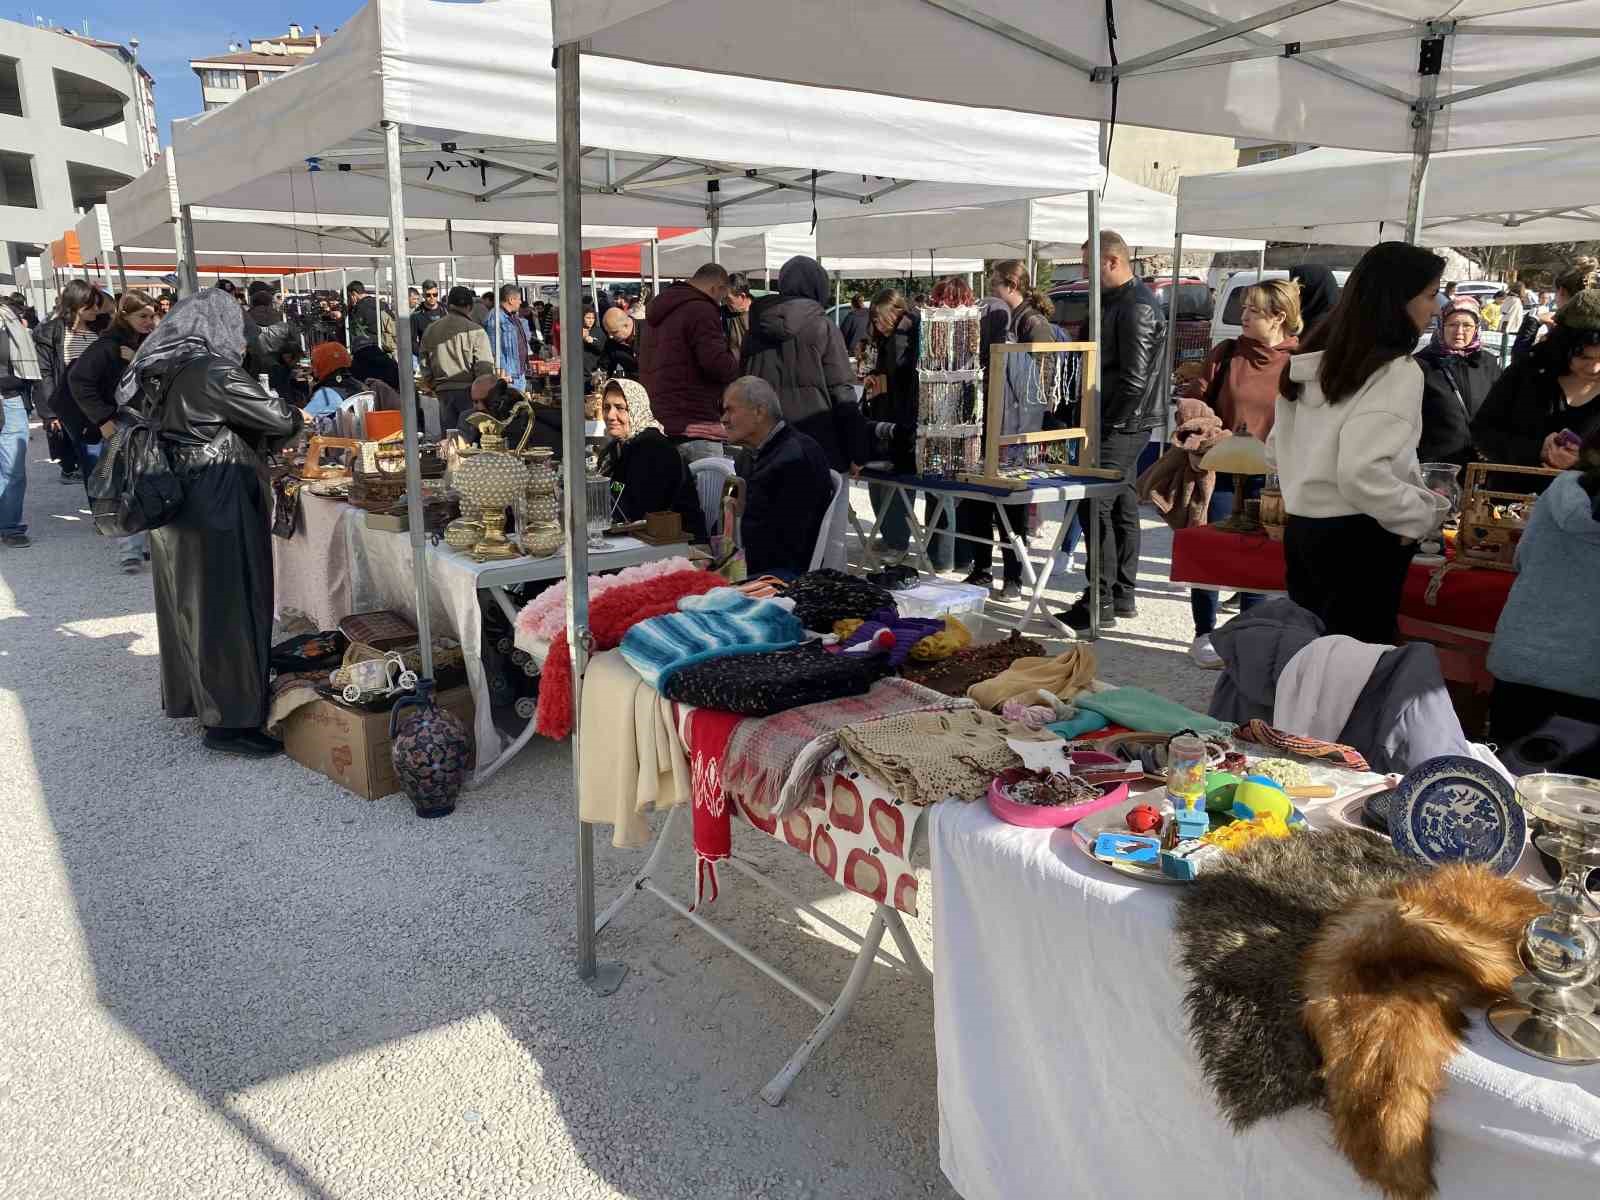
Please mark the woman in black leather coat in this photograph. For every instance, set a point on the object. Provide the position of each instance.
(213, 563)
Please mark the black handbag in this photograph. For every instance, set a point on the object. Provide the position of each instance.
(133, 487)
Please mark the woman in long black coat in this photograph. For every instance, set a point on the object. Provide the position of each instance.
(213, 563)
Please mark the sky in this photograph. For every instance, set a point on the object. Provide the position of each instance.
(171, 32)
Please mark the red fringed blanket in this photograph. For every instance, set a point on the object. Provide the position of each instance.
(611, 616)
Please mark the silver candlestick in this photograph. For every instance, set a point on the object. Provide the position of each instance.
(1552, 1013)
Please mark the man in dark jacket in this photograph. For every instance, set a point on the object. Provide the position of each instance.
(426, 313)
(684, 362)
(619, 353)
(1133, 332)
(788, 489)
(795, 348)
(736, 311)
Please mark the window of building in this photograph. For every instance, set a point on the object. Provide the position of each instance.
(16, 180)
(10, 88)
(222, 80)
(213, 105)
(89, 184)
(87, 104)
(1269, 155)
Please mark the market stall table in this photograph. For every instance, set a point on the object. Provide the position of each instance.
(1458, 616)
(380, 572)
(1037, 565)
(1065, 1068)
(311, 570)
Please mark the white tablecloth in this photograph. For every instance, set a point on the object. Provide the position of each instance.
(1065, 1070)
(311, 570)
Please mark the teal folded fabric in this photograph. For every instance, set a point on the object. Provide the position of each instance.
(1148, 713)
(1078, 724)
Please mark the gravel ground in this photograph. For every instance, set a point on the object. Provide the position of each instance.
(232, 979)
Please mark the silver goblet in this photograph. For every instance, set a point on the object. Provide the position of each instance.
(1552, 1012)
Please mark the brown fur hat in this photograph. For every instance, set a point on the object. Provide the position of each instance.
(1386, 982)
(1325, 969)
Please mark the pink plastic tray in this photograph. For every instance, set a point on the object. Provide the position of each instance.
(1033, 816)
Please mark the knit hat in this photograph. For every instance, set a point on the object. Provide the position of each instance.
(1582, 312)
(722, 622)
(328, 357)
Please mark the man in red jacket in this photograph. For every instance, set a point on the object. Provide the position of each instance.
(685, 363)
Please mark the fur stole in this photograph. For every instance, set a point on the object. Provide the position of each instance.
(1326, 969)
(611, 616)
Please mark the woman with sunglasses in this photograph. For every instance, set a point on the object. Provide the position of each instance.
(1547, 404)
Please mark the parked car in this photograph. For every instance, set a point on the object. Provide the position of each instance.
(1481, 290)
(1230, 300)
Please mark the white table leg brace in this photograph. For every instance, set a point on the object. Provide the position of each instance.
(884, 917)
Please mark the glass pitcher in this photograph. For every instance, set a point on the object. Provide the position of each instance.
(1444, 479)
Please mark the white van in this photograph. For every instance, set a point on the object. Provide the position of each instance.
(1230, 300)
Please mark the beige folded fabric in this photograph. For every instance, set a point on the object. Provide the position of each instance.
(926, 757)
(1064, 675)
(631, 759)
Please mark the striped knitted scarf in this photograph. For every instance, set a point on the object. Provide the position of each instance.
(1262, 734)
(724, 621)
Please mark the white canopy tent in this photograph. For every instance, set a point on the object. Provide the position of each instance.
(767, 249)
(146, 213)
(1051, 226)
(1548, 193)
(419, 108)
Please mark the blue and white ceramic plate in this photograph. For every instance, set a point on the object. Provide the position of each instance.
(1454, 809)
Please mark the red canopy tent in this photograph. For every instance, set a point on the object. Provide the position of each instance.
(624, 262)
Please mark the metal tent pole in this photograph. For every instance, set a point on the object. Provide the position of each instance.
(1172, 338)
(594, 286)
(655, 267)
(607, 978)
(344, 300)
(122, 269)
(408, 398)
(1091, 411)
(1424, 110)
(494, 252)
(1261, 262)
(188, 275)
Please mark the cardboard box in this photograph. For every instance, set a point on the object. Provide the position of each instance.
(351, 747)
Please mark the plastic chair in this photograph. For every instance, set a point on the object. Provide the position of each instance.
(709, 476)
(830, 551)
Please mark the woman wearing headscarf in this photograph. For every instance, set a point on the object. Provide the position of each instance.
(1457, 375)
(1319, 292)
(89, 401)
(213, 563)
(647, 472)
(794, 347)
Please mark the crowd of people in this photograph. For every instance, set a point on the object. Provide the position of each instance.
(1332, 381)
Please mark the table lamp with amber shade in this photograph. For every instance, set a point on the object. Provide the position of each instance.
(1241, 456)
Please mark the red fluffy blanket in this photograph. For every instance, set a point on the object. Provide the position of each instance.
(611, 616)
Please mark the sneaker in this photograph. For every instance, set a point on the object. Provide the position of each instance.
(15, 540)
(1204, 654)
(1011, 589)
(71, 477)
(133, 565)
(1077, 617)
(1231, 603)
(981, 579)
(1125, 608)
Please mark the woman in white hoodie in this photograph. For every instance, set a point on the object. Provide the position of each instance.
(1344, 441)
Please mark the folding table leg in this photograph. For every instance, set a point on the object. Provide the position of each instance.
(645, 872)
(484, 773)
(779, 1085)
(902, 939)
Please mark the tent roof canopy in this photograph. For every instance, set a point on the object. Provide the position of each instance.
(145, 211)
(1331, 72)
(741, 153)
(1548, 193)
(1056, 225)
(767, 249)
